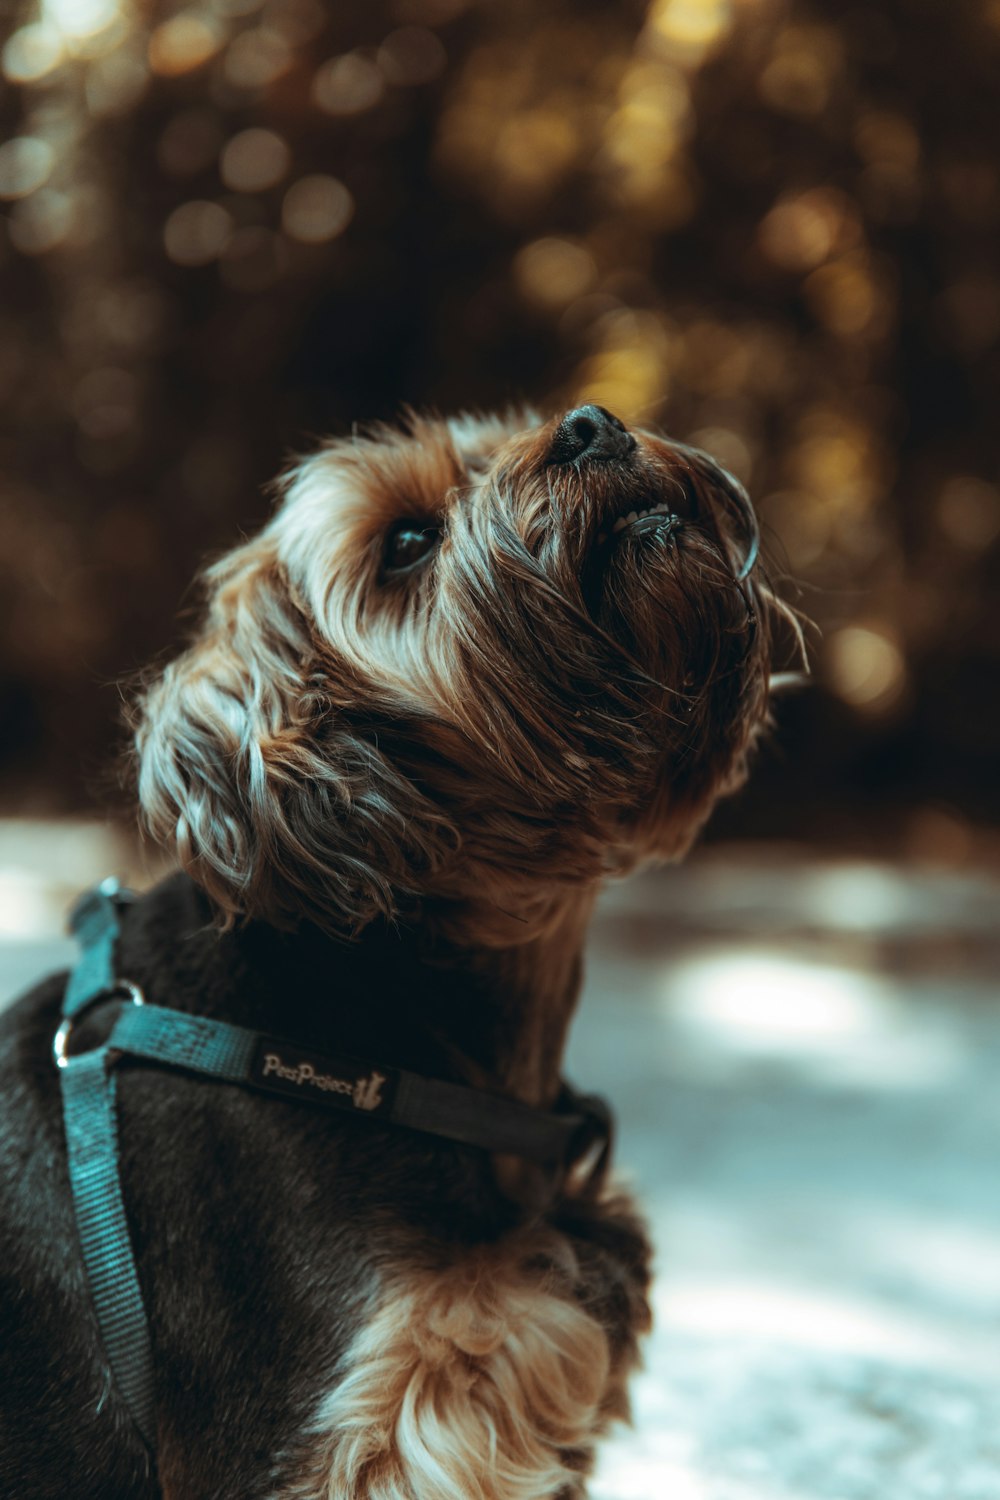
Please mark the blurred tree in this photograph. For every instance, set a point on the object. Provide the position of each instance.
(770, 227)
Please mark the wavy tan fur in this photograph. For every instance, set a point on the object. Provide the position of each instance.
(488, 1380)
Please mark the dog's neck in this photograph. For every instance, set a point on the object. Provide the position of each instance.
(521, 990)
(439, 997)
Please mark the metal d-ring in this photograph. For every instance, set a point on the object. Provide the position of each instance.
(60, 1042)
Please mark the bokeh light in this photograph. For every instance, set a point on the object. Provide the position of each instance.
(78, 19)
(41, 222)
(688, 29)
(316, 209)
(256, 58)
(348, 85)
(254, 160)
(554, 272)
(197, 233)
(866, 667)
(32, 52)
(802, 72)
(802, 230)
(25, 164)
(630, 367)
(182, 43)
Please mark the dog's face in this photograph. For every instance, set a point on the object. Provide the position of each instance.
(482, 656)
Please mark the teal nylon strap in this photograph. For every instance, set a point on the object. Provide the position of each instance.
(179, 1040)
(92, 1150)
(90, 1119)
(94, 924)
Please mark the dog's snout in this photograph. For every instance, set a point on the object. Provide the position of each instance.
(590, 432)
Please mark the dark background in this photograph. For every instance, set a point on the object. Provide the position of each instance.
(770, 228)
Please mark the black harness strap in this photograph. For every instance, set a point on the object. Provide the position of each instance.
(232, 1054)
(557, 1139)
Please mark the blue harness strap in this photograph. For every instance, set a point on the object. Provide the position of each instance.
(92, 1149)
(89, 1115)
(575, 1136)
(95, 924)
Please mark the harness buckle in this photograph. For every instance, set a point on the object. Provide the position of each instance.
(60, 1042)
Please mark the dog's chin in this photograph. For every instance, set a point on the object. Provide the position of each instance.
(635, 541)
(663, 589)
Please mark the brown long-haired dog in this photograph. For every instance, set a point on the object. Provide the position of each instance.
(469, 669)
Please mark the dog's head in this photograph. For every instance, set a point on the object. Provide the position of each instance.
(479, 658)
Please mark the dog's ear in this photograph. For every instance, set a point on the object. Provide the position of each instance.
(247, 768)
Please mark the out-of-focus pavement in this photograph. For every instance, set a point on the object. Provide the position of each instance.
(804, 1055)
(805, 1058)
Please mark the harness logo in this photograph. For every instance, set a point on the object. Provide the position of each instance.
(340, 1081)
(368, 1091)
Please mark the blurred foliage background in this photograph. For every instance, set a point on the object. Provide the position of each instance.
(768, 226)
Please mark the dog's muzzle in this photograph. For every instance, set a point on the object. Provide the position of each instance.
(592, 434)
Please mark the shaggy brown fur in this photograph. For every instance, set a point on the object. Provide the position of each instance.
(451, 747)
(523, 713)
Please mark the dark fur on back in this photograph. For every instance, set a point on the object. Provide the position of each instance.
(258, 1226)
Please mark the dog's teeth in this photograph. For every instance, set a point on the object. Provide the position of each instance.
(637, 515)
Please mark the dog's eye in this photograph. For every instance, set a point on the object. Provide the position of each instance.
(409, 543)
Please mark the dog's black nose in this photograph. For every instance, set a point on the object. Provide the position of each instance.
(590, 432)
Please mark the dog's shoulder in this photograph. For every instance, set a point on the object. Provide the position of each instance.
(490, 1372)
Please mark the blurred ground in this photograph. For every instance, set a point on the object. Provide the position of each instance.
(804, 1061)
(803, 1056)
